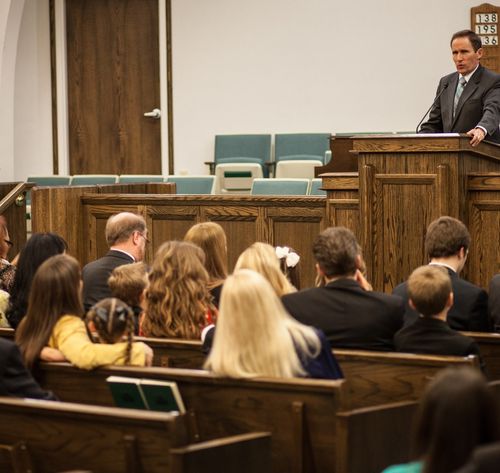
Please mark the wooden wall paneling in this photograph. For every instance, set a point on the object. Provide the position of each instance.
(58, 210)
(367, 209)
(94, 224)
(483, 197)
(484, 253)
(400, 226)
(169, 222)
(243, 225)
(343, 201)
(297, 228)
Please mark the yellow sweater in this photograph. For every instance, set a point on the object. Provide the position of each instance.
(70, 337)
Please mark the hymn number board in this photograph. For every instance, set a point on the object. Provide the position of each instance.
(485, 22)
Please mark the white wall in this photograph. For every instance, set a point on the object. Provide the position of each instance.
(305, 65)
(249, 67)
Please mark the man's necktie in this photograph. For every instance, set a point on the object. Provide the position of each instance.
(460, 88)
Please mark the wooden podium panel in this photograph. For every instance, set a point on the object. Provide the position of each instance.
(405, 182)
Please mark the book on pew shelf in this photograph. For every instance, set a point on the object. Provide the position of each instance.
(153, 395)
(127, 392)
(162, 395)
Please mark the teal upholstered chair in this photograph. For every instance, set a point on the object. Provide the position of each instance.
(93, 179)
(280, 186)
(193, 184)
(301, 146)
(255, 149)
(315, 188)
(133, 178)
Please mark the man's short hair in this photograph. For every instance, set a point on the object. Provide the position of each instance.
(429, 288)
(474, 39)
(335, 250)
(127, 282)
(445, 236)
(120, 227)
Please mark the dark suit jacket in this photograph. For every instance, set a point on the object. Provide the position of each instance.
(349, 316)
(433, 337)
(479, 104)
(95, 276)
(15, 379)
(470, 305)
(494, 302)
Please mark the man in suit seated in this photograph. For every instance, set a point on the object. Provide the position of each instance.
(126, 235)
(447, 244)
(430, 294)
(494, 302)
(346, 309)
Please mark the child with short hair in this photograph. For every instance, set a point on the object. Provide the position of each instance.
(129, 283)
(430, 293)
(111, 321)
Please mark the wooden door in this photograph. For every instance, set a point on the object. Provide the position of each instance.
(113, 79)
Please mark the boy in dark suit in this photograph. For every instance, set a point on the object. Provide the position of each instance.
(430, 293)
(447, 244)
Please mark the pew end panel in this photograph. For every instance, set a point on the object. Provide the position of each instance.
(372, 438)
(385, 377)
(61, 436)
(246, 453)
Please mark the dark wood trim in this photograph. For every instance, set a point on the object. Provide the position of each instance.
(170, 95)
(53, 75)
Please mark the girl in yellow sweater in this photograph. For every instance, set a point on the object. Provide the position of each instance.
(54, 318)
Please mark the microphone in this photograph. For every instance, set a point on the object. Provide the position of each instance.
(445, 86)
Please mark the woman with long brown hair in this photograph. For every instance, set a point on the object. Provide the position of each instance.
(458, 413)
(211, 238)
(54, 319)
(178, 303)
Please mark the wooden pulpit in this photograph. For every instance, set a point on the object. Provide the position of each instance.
(402, 184)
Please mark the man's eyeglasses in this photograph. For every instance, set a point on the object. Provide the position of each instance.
(146, 239)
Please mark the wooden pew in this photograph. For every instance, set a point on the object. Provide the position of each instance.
(53, 436)
(175, 352)
(373, 377)
(299, 413)
(373, 438)
(381, 377)
(7, 333)
(489, 347)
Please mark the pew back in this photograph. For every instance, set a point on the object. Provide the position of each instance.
(373, 377)
(62, 436)
(300, 413)
(489, 347)
(381, 377)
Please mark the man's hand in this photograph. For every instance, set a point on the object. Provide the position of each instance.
(362, 281)
(477, 135)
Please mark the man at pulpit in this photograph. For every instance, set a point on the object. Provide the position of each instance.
(467, 101)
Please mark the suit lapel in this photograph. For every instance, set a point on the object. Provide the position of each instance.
(470, 88)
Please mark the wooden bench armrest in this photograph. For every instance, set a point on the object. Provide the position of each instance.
(246, 453)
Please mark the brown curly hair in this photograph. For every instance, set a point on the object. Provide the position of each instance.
(177, 297)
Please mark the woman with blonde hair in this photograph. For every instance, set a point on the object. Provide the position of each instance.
(255, 335)
(178, 303)
(261, 257)
(54, 319)
(210, 237)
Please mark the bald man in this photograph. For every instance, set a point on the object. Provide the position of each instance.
(126, 235)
